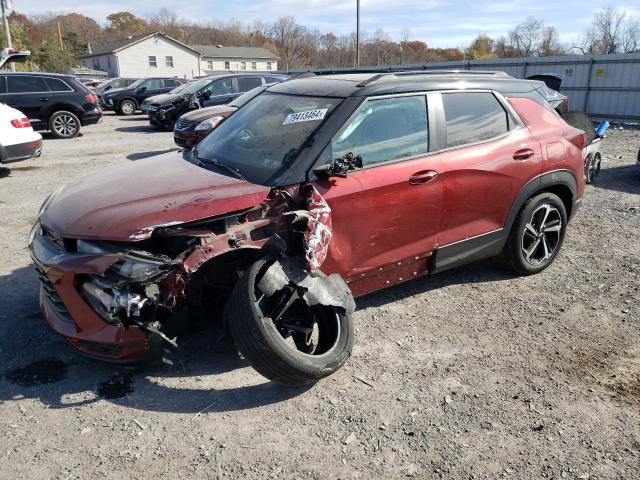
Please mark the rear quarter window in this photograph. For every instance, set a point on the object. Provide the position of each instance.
(57, 85)
(473, 117)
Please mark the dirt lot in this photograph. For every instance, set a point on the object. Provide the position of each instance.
(474, 373)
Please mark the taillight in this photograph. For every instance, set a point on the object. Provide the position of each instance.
(91, 98)
(21, 122)
(577, 137)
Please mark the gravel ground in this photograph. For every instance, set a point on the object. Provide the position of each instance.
(475, 373)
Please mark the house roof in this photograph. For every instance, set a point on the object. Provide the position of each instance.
(212, 51)
(123, 43)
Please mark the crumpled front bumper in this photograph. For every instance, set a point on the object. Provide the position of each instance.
(70, 315)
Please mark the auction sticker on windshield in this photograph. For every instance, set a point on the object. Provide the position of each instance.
(307, 116)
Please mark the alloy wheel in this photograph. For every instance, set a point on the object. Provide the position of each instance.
(310, 330)
(541, 235)
(127, 108)
(65, 125)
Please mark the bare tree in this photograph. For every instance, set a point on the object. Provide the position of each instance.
(525, 37)
(288, 37)
(550, 42)
(606, 32)
(631, 37)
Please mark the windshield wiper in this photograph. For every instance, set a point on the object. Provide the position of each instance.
(218, 163)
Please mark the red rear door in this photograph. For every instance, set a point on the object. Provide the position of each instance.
(487, 158)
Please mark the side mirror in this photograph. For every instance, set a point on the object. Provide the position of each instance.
(340, 166)
(141, 90)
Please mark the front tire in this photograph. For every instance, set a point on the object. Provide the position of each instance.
(301, 346)
(537, 234)
(127, 107)
(64, 124)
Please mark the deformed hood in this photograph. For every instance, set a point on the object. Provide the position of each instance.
(165, 98)
(127, 202)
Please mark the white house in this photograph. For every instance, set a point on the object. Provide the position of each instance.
(217, 58)
(152, 54)
(157, 54)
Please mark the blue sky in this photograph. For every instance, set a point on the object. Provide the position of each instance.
(438, 22)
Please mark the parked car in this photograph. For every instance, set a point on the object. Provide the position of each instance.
(317, 190)
(592, 152)
(58, 103)
(113, 83)
(148, 101)
(126, 101)
(195, 125)
(206, 92)
(18, 141)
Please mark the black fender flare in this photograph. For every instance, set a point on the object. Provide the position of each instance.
(550, 179)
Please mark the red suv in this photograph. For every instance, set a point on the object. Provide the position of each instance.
(317, 190)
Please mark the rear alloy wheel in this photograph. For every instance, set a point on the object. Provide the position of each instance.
(64, 124)
(537, 234)
(127, 107)
(282, 337)
(593, 169)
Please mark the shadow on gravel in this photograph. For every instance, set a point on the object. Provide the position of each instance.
(51, 136)
(138, 129)
(133, 118)
(625, 178)
(152, 153)
(37, 363)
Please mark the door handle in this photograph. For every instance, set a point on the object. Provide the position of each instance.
(419, 178)
(44, 99)
(523, 154)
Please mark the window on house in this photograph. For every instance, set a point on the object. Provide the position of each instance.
(269, 67)
(254, 66)
(243, 65)
(227, 65)
(473, 117)
(168, 61)
(210, 64)
(152, 61)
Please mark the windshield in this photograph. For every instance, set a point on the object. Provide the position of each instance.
(245, 97)
(137, 83)
(180, 88)
(194, 87)
(265, 135)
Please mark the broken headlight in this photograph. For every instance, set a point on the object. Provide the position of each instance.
(109, 301)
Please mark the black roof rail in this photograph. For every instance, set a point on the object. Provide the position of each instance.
(398, 73)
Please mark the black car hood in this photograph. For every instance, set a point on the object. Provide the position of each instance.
(167, 98)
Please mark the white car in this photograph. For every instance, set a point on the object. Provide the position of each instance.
(18, 141)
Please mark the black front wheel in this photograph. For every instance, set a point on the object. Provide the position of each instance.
(537, 234)
(282, 337)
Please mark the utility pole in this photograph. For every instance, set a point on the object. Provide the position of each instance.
(357, 33)
(7, 33)
(60, 37)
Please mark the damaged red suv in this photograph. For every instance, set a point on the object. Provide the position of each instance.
(318, 190)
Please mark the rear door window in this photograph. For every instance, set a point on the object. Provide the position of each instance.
(26, 84)
(473, 117)
(385, 130)
(154, 84)
(247, 83)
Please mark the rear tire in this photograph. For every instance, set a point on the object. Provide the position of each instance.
(127, 107)
(287, 359)
(64, 124)
(537, 234)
